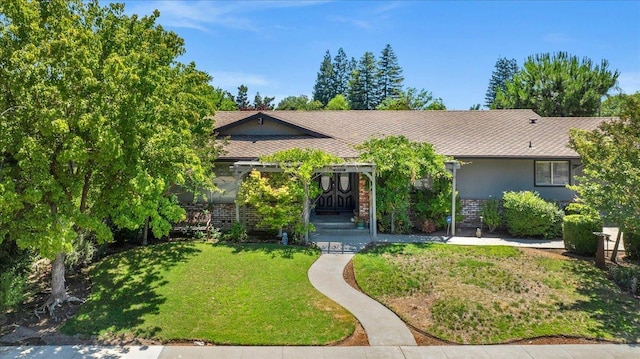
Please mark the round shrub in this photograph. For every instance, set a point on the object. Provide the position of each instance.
(577, 233)
(526, 214)
(632, 244)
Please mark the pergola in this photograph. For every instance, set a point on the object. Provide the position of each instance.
(241, 168)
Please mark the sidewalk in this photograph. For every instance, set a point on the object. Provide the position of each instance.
(582, 351)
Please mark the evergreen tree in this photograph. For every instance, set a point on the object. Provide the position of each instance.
(324, 89)
(558, 85)
(503, 72)
(342, 69)
(263, 104)
(389, 75)
(363, 85)
(242, 100)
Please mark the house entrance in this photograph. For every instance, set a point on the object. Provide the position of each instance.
(339, 193)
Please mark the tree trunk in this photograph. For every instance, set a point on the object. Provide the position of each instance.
(145, 232)
(305, 213)
(58, 288)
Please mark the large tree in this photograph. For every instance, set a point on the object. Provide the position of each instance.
(412, 99)
(263, 103)
(242, 99)
(363, 85)
(558, 85)
(342, 68)
(324, 89)
(504, 71)
(223, 100)
(299, 103)
(611, 175)
(612, 105)
(389, 75)
(98, 122)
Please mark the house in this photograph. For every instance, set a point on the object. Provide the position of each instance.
(501, 150)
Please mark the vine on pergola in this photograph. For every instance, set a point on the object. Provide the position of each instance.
(284, 198)
(399, 163)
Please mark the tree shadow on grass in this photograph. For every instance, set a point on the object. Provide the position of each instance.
(273, 250)
(124, 290)
(616, 313)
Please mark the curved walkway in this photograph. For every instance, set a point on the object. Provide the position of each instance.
(383, 327)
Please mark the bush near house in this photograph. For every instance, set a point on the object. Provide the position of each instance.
(526, 214)
(577, 233)
(632, 244)
(491, 214)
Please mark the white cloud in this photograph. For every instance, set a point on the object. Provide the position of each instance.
(629, 82)
(234, 79)
(205, 15)
(355, 22)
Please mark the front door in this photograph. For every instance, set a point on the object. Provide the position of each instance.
(338, 193)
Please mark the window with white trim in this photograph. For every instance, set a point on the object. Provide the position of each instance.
(552, 173)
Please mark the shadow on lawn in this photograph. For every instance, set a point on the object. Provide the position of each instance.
(273, 250)
(617, 313)
(123, 289)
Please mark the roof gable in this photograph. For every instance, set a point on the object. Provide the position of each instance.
(261, 124)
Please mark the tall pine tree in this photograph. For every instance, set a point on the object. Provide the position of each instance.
(504, 71)
(389, 75)
(342, 69)
(363, 85)
(242, 100)
(324, 89)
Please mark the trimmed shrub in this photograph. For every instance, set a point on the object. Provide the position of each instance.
(491, 214)
(577, 233)
(632, 244)
(627, 278)
(526, 214)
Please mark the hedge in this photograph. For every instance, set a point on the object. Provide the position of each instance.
(526, 214)
(577, 233)
(632, 244)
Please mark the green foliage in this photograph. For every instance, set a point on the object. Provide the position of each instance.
(558, 85)
(412, 99)
(324, 89)
(338, 103)
(504, 71)
(577, 233)
(84, 250)
(299, 103)
(242, 99)
(237, 233)
(526, 214)
(223, 100)
(625, 276)
(12, 289)
(434, 203)
(363, 85)
(389, 74)
(491, 214)
(399, 162)
(283, 199)
(262, 103)
(632, 244)
(611, 175)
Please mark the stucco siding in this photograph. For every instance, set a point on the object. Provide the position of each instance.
(485, 178)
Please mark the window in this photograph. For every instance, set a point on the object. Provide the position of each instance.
(552, 173)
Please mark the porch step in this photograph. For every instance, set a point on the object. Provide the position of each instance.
(328, 222)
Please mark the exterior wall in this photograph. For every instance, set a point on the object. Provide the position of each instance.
(267, 128)
(486, 178)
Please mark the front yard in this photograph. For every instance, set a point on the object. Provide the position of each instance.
(486, 295)
(249, 294)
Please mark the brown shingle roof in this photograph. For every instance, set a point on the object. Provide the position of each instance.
(494, 133)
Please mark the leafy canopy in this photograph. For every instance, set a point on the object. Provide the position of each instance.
(100, 122)
(611, 174)
(558, 85)
(399, 162)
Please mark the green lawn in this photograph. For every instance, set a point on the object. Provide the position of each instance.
(244, 294)
(485, 295)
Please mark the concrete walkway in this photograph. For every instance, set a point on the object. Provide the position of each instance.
(582, 351)
(383, 327)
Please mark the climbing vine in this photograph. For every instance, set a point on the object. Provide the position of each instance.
(284, 199)
(399, 163)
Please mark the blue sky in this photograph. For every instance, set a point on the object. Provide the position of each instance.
(449, 48)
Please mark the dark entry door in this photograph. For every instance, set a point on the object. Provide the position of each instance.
(338, 193)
